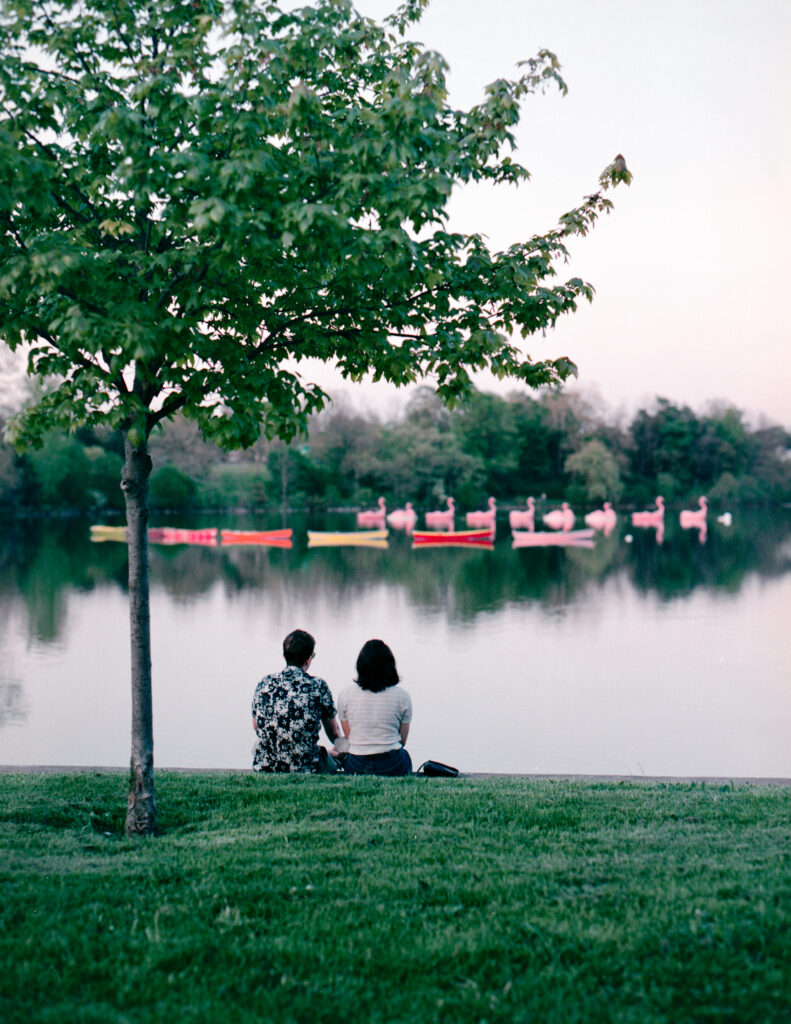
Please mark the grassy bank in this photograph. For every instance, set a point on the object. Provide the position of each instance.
(416, 900)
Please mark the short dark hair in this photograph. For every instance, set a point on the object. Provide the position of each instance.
(298, 647)
(376, 667)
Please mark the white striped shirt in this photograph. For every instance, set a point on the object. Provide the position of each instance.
(374, 718)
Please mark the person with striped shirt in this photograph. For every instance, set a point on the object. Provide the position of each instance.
(375, 713)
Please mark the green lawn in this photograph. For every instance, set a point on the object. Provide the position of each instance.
(394, 900)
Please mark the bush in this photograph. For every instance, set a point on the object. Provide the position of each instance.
(171, 489)
(725, 491)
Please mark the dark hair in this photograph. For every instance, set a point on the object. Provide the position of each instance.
(298, 647)
(376, 667)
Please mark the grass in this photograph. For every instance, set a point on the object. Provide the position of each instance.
(407, 900)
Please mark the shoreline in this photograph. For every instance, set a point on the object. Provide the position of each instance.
(714, 780)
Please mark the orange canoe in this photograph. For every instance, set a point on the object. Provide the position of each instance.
(270, 538)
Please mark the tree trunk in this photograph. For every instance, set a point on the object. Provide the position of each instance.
(284, 481)
(141, 815)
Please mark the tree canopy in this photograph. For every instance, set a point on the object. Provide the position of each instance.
(194, 195)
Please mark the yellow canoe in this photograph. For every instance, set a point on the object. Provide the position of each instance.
(354, 538)
(102, 532)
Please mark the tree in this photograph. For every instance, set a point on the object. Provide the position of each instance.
(663, 446)
(423, 458)
(485, 427)
(539, 446)
(346, 445)
(193, 195)
(595, 466)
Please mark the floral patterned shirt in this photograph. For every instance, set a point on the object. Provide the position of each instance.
(288, 709)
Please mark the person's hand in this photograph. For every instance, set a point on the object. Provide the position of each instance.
(334, 751)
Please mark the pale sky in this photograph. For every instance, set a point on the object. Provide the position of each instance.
(691, 269)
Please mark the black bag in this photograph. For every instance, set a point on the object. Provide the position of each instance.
(437, 769)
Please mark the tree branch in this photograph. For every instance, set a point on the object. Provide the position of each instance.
(77, 357)
(57, 74)
(58, 198)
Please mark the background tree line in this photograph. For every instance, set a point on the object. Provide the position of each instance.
(559, 444)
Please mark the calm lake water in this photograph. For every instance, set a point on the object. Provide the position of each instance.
(632, 658)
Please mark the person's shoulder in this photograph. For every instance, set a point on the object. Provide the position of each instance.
(267, 680)
(318, 687)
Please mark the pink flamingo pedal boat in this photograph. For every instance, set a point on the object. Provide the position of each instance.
(603, 519)
(442, 520)
(690, 519)
(402, 518)
(696, 519)
(653, 517)
(523, 518)
(562, 518)
(373, 517)
(488, 518)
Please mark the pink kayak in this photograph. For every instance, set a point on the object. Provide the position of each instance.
(543, 539)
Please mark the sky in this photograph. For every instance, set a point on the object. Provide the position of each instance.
(691, 269)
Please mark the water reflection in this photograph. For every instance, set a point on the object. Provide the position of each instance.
(12, 707)
(464, 583)
(42, 561)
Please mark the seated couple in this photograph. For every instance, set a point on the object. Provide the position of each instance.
(370, 726)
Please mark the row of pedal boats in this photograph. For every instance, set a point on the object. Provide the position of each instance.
(376, 538)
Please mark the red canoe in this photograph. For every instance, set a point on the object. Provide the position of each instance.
(453, 538)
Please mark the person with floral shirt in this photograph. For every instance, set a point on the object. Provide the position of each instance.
(289, 707)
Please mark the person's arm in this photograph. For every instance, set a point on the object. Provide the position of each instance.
(332, 727)
(406, 718)
(346, 729)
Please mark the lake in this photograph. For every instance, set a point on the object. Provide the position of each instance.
(633, 658)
